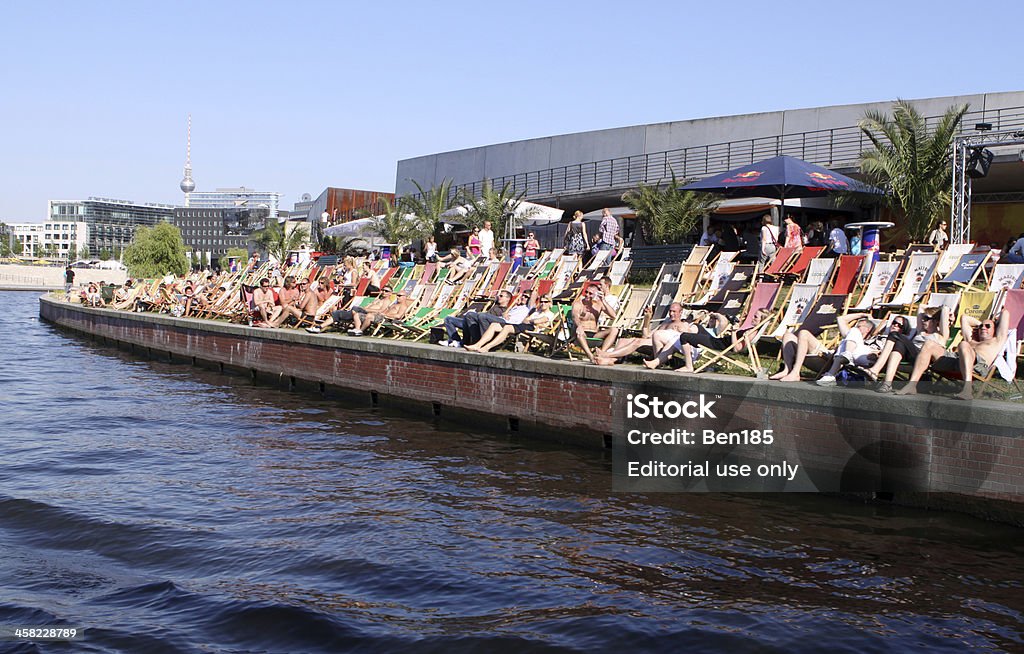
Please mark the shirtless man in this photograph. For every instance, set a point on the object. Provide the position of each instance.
(671, 327)
(586, 312)
(306, 302)
(263, 300)
(287, 296)
(983, 341)
(394, 311)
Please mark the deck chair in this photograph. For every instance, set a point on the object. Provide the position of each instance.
(819, 272)
(781, 263)
(699, 254)
(732, 304)
(620, 270)
(951, 256)
(1006, 276)
(801, 297)
(883, 275)
(846, 276)
(741, 278)
(802, 261)
(966, 270)
(689, 281)
(918, 278)
(718, 276)
(763, 298)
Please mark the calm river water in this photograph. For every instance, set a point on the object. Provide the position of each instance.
(164, 508)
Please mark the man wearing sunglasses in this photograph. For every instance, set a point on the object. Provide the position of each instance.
(983, 341)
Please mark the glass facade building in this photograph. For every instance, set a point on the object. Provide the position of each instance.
(111, 223)
(241, 197)
(206, 231)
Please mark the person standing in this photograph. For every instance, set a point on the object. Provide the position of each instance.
(486, 238)
(473, 245)
(794, 235)
(838, 244)
(530, 249)
(575, 239)
(69, 279)
(769, 239)
(609, 230)
(939, 238)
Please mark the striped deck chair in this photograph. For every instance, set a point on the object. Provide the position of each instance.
(801, 262)
(966, 270)
(1006, 276)
(950, 256)
(819, 271)
(781, 263)
(918, 278)
(630, 314)
(883, 275)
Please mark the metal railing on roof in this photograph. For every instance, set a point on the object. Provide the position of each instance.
(837, 148)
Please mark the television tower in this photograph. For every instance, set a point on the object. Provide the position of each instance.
(187, 185)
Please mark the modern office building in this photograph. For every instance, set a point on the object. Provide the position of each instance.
(111, 224)
(67, 238)
(209, 233)
(337, 205)
(589, 170)
(240, 197)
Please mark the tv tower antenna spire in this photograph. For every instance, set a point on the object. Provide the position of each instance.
(187, 184)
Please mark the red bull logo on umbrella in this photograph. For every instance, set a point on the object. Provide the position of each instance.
(826, 180)
(749, 176)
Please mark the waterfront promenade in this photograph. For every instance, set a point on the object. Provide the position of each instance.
(17, 277)
(933, 451)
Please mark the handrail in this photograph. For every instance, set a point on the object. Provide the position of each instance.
(838, 147)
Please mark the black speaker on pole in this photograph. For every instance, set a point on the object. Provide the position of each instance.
(979, 162)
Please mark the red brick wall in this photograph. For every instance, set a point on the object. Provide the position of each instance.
(967, 457)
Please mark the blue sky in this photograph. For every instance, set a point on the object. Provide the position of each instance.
(299, 96)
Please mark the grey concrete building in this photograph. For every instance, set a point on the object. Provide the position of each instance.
(592, 169)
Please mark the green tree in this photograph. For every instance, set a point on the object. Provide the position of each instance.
(666, 214)
(429, 205)
(497, 207)
(83, 252)
(105, 255)
(238, 253)
(276, 241)
(912, 162)
(156, 251)
(396, 226)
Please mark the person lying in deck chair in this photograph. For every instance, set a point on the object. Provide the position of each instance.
(498, 333)
(263, 300)
(395, 311)
(714, 332)
(855, 328)
(796, 349)
(982, 342)
(670, 327)
(903, 344)
(340, 316)
(304, 304)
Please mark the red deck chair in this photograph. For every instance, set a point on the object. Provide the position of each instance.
(499, 278)
(428, 273)
(803, 260)
(846, 278)
(780, 263)
(764, 298)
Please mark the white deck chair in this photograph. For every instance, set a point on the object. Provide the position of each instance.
(1006, 276)
(882, 277)
(952, 254)
(800, 299)
(819, 270)
(918, 278)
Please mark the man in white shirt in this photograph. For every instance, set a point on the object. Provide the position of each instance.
(837, 241)
(486, 238)
(854, 327)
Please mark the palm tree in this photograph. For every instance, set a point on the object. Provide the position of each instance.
(276, 241)
(397, 227)
(912, 162)
(665, 213)
(429, 205)
(500, 208)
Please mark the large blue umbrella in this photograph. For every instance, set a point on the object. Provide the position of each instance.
(779, 177)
